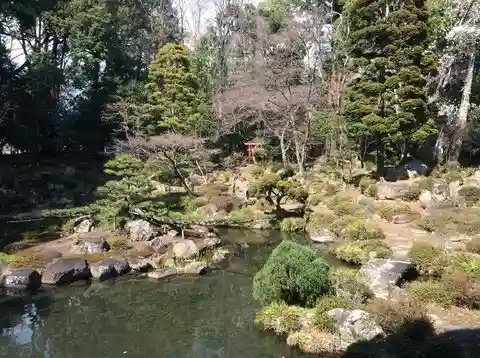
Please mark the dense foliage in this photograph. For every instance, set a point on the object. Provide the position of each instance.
(388, 102)
(292, 274)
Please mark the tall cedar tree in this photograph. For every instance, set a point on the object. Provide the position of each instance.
(388, 101)
(173, 91)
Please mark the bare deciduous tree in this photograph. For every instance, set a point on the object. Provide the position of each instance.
(276, 85)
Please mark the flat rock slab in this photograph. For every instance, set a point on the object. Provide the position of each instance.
(91, 243)
(322, 236)
(382, 275)
(22, 279)
(162, 273)
(64, 271)
(109, 268)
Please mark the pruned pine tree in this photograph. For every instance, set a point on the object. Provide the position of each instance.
(387, 102)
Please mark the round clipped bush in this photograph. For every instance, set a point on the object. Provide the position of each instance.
(292, 274)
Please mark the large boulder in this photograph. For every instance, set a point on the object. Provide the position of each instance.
(393, 190)
(382, 275)
(140, 230)
(355, 325)
(207, 243)
(322, 236)
(83, 224)
(63, 271)
(91, 244)
(185, 249)
(22, 279)
(108, 268)
(161, 243)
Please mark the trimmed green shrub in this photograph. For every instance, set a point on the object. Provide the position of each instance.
(292, 274)
(344, 208)
(358, 252)
(470, 193)
(428, 258)
(280, 317)
(292, 224)
(360, 230)
(431, 292)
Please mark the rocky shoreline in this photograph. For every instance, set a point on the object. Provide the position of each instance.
(149, 251)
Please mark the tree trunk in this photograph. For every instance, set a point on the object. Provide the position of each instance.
(461, 120)
(283, 149)
(380, 156)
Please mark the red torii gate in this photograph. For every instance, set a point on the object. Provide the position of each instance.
(251, 149)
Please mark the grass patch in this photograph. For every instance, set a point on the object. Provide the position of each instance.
(431, 292)
(463, 289)
(358, 252)
(346, 285)
(428, 258)
(470, 193)
(360, 230)
(23, 261)
(453, 221)
(246, 214)
(280, 317)
(118, 243)
(389, 210)
(392, 316)
(412, 194)
(292, 224)
(318, 221)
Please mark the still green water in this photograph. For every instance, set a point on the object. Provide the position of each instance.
(183, 317)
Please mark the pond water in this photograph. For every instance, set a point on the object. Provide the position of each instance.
(183, 317)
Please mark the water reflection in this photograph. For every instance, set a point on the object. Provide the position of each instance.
(183, 317)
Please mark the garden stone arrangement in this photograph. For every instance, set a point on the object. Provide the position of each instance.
(89, 256)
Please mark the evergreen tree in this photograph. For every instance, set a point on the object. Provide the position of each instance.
(388, 101)
(173, 91)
